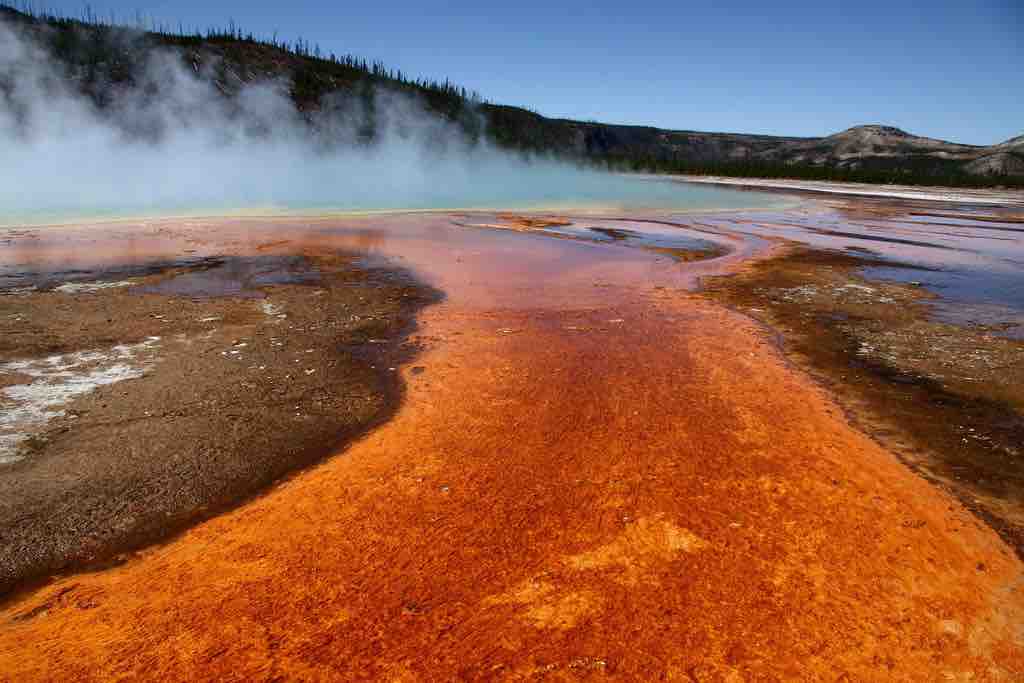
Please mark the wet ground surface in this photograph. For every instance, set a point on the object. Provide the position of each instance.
(244, 277)
(595, 472)
(677, 240)
(948, 398)
(971, 257)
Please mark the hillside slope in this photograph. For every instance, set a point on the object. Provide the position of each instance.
(102, 60)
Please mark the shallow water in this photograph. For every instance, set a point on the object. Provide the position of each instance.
(971, 258)
(237, 277)
(578, 192)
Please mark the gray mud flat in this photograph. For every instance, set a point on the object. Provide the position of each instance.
(133, 403)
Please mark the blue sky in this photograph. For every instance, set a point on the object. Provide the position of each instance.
(953, 70)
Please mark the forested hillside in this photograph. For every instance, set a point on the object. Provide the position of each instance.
(102, 59)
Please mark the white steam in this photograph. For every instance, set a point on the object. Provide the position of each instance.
(174, 142)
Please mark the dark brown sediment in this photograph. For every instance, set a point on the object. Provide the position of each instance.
(255, 366)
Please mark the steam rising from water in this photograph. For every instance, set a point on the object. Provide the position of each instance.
(174, 142)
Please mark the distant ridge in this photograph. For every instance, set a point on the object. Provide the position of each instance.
(869, 152)
(1013, 142)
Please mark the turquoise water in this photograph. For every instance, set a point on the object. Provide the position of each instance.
(545, 189)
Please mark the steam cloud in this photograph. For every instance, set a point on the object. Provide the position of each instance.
(173, 141)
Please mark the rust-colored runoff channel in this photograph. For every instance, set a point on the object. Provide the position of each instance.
(594, 474)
